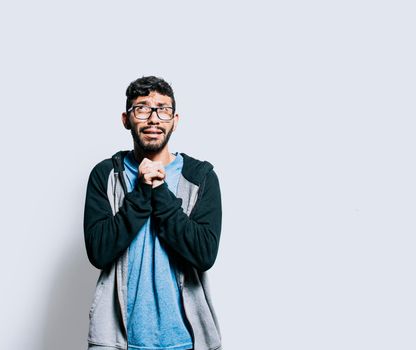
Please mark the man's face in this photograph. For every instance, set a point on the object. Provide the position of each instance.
(153, 134)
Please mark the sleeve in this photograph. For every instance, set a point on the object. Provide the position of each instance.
(195, 238)
(107, 235)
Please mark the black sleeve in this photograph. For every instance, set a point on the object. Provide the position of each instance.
(194, 238)
(107, 235)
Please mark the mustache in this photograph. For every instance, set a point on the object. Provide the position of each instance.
(152, 127)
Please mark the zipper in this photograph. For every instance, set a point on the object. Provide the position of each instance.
(119, 171)
(180, 277)
(191, 331)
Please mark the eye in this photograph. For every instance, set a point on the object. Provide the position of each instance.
(142, 109)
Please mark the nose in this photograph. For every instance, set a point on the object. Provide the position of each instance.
(153, 118)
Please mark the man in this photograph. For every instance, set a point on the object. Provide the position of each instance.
(152, 224)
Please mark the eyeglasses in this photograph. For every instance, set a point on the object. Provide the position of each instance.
(143, 112)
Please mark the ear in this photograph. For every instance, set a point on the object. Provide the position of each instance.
(175, 121)
(126, 120)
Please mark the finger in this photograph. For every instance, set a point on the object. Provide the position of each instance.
(161, 175)
(146, 179)
(146, 168)
(158, 170)
(158, 165)
(150, 176)
(145, 162)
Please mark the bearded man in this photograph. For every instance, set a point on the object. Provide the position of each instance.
(152, 224)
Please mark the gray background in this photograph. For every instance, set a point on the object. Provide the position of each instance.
(306, 109)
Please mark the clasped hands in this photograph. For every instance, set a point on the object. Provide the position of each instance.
(152, 172)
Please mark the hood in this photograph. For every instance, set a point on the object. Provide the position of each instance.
(195, 170)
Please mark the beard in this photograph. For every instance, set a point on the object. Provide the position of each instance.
(152, 145)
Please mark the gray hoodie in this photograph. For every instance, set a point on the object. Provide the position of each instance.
(108, 316)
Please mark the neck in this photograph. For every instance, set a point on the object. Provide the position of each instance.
(164, 155)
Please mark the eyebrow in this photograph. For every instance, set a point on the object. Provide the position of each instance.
(159, 104)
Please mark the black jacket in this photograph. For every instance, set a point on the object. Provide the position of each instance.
(194, 238)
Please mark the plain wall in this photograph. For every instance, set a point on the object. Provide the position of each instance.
(307, 111)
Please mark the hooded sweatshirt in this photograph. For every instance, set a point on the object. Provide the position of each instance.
(188, 224)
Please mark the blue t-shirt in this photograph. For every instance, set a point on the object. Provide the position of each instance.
(155, 316)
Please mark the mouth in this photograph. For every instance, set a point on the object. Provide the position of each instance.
(152, 132)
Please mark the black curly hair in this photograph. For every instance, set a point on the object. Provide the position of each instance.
(144, 85)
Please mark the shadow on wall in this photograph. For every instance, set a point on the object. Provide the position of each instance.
(66, 317)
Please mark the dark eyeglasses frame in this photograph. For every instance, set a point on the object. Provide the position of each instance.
(153, 109)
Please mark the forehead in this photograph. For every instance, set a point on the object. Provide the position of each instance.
(154, 98)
